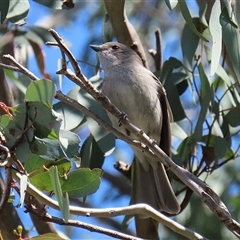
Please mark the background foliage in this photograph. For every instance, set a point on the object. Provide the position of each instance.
(200, 71)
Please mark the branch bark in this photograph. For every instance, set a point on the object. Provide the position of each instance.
(124, 30)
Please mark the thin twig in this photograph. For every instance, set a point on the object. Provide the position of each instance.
(157, 54)
(87, 226)
(20, 67)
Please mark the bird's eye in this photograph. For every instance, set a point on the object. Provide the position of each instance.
(115, 47)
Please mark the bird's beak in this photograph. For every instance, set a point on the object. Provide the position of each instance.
(96, 48)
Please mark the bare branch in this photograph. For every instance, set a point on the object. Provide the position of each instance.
(157, 54)
(21, 68)
(111, 212)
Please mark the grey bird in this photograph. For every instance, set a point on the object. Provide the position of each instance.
(138, 92)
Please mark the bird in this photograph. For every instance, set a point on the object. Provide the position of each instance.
(137, 92)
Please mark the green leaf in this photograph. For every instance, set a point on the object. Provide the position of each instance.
(4, 6)
(39, 55)
(42, 91)
(189, 44)
(108, 33)
(187, 16)
(186, 148)
(216, 32)
(172, 92)
(48, 236)
(168, 67)
(220, 147)
(42, 118)
(206, 96)
(55, 4)
(22, 150)
(71, 116)
(36, 164)
(223, 75)
(69, 143)
(34, 38)
(231, 39)
(230, 12)
(18, 11)
(82, 182)
(233, 116)
(91, 155)
(171, 4)
(174, 100)
(23, 188)
(42, 181)
(54, 149)
(41, 32)
(104, 139)
(177, 131)
(63, 200)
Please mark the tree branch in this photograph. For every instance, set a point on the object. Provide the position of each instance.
(112, 212)
(124, 30)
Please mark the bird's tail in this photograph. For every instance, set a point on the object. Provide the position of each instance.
(153, 188)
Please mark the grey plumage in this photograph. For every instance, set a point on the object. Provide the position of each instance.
(137, 92)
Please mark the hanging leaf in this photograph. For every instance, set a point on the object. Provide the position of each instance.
(82, 182)
(216, 32)
(171, 4)
(4, 6)
(18, 11)
(107, 33)
(187, 16)
(91, 155)
(231, 39)
(42, 90)
(63, 200)
(206, 96)
(189, 44)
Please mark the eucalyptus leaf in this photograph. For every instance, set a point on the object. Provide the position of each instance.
(231, 39)
(171, 4)
(220, 147)
(186, 148)
(71, 116)
(41, 32)
(48, 236)
(55, 4)
(22, 150)
(82, 182)
(62, 199)
(206, 97)
(177, 131)
(189, 44)
(216, 32)
(104, 139)
(187, 16)
(18, 11)
(107, 33)
(4, 6)
(233, 117)
(69, 142)
(91, 155)
(23, 188)
(41, 90)
(42, 181)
